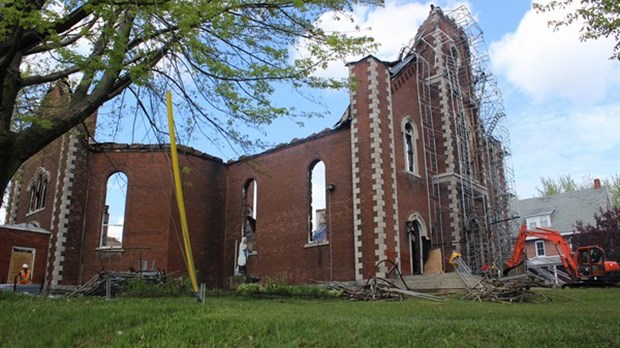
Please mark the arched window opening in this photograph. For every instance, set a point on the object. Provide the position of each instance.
(318, 214)
(409, 148)
(453, 69)
(113, 215)
(249, 215)
(38, 190)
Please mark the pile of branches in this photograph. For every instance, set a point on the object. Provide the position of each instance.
(377, 289)
(496, 291)
(97, 286)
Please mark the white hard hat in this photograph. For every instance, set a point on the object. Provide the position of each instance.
(25, 265)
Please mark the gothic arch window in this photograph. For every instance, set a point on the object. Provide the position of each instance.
(409, 141)
(249, 213)
(113, 214)
(317, 195)
(38, 189)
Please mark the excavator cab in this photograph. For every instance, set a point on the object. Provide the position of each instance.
(591, 263)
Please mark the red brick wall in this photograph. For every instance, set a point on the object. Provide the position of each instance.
(360, 95)
(204, 190)
(75, 219)
(282, 176)
(54, 159)
(412, 189)
(14, 237)
(530, 248)
(49, 159)
(152, 230)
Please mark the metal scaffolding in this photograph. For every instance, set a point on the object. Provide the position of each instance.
(466, 142)
(498, 172)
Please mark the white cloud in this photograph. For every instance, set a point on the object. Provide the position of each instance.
(563, 102)
(549, 64)
(116, 230)
(554, 142)
(392, 26)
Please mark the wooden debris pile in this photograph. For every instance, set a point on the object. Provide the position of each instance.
(377, 289)
(97, 286)
(496, 291)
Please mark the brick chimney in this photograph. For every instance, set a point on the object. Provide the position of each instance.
(597, 184)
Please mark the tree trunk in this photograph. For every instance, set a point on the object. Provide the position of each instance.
(8, 167)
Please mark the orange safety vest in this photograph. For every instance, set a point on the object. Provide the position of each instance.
(24, 277)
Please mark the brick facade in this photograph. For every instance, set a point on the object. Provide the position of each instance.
(403, 169)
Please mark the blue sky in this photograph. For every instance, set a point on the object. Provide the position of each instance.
(562, 96)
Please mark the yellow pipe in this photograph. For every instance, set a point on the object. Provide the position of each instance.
(179, 190)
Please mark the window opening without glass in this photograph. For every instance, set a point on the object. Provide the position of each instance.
(113, 215)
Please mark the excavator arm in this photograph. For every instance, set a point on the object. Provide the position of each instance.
(554, 236)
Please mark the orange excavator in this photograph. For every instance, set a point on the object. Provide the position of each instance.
(587, 266)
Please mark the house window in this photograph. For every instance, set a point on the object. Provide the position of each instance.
(410, 138)
(113, 214)
(248, 215)
(538, 221)
(38, 190)
(540, 248)
(318, 214)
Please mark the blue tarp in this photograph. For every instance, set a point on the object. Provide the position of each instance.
(320, 235)
(33, 289)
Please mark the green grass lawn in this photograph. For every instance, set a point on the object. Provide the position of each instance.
(574, 318)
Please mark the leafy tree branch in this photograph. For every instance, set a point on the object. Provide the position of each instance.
(220, 57)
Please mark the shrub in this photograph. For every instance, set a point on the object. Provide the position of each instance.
(171, 288)
(272, 289)
(250, 289)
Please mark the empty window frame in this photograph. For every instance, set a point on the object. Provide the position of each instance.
(317, 196)
(410, 138)
(540, 248)
(113, 215)
(249, 213)
(38, 190)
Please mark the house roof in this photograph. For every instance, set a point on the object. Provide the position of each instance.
(566, 208)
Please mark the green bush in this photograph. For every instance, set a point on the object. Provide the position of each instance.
(283, 290)
(170, 288)
(250, 289)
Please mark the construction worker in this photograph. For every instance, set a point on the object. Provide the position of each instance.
(24, 275)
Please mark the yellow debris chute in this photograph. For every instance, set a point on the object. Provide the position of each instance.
(179, 194)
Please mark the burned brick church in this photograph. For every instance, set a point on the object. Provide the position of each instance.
(415, 169)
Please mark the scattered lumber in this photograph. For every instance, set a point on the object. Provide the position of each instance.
(97, 285)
